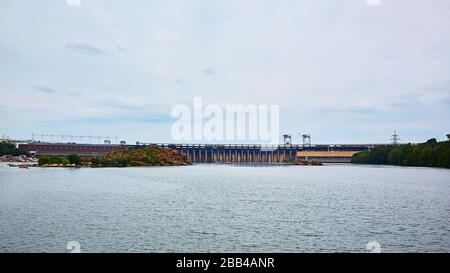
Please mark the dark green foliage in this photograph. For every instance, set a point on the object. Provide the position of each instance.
(151, 159)
(65, 162)
(10, 149)
(74, 159)
(55, 160)
(395, 157)
(120, 162)
(97, 160)
(45, 160)
(102, 161)
(429, 154)
(361, 158)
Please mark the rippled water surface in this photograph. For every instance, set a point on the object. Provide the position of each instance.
(212, 208)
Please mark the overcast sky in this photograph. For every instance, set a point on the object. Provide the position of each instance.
(343, 71)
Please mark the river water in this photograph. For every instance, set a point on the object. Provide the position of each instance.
(222, 208)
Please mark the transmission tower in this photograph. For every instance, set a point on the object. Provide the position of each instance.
(395, 138)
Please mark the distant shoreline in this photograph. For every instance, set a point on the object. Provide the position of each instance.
(431, 154)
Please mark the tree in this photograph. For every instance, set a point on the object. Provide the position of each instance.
(43, 160)
(74, 159)
(379, 156)
(120, 162)
(361, 158)
(394, 157)
(54, 160)
(426, 156)
(65, 162)
(10, 149)
(412, 158)
(97, 160)
(429, 154)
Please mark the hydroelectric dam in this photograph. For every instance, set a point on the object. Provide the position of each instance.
(216, 153)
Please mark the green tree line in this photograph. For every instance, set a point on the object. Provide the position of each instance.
(10, 149)
(50, 160)
(429, 154)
